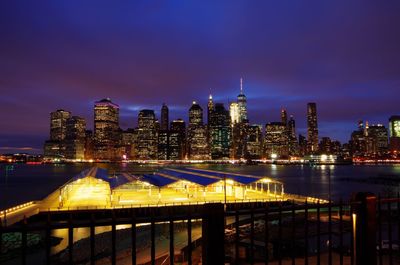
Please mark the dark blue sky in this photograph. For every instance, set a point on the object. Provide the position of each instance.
(344, 55)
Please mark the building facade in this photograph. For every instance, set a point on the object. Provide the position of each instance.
(276, 140)
(106, 129)
(75, 138)
(254, 143)
(394, 134)
(197, 136)
(147, 135)
(220, 132)
(312, 128)
(164, 117)
(55, 147)
(242, 103)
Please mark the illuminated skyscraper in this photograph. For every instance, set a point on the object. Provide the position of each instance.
(55, 147)
(106, 129)
(242, 102)
(164, 117)
(197, 134)
(147, 135)
(312, 128)
(234, 113)
(254, 142)
(220, 132)
(58, 124)
(75, 138)
(293, 144)
(394, 129)
(377, 140)
(276, 140)
(210, 108)
(163, 145)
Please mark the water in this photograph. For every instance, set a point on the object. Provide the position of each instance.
(34, 182)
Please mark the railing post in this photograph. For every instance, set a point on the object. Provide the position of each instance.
(365, 228)
(213, 233)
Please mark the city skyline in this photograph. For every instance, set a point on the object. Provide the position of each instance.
(61, 56)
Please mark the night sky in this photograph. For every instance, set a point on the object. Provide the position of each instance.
(343, 55)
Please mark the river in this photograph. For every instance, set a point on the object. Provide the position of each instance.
(34, 182)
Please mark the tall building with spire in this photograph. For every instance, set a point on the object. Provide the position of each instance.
(210, 107)
(164, 117)
(242, 102)
(312, 128)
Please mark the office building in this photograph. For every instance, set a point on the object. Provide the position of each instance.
(234, 113)
(177, 143)
(55, 146)
(254, 142)
(242, 102)
(75, 138)
(106, 129)
(220, 132)
(164, 117)
(312, 128)
(197, 139)
(394, 134)
(293, 144)
(276, 140)
(147, 135)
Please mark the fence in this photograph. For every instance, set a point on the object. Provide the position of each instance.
(361, 232)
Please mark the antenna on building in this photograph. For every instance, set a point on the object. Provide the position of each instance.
(241, 85)
(210, 96)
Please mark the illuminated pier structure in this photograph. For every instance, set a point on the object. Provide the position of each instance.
(166, 186)
(94, 188)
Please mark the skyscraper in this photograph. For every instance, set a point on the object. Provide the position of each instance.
(254, 142)
(195, 115)
(164, 117)
(210, 108)
(58, 124)
(75, 138)
(197, 134)
(284, 119)
(312, 128)
(163, 145)
(394, 129)
(177, 143)
(293, 144)
(242, 102)
(220, 132)
(55, 147)
(147, 135)
(276, 140)
(106, 129)
(234, 113)
(377, 140)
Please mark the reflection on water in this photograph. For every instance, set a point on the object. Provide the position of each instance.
(78, 234)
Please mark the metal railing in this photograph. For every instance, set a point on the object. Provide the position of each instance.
(360, 232)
